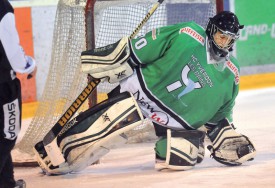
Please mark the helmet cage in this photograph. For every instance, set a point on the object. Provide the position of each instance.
(232, 37)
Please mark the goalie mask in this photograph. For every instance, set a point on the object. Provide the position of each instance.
(222, 31)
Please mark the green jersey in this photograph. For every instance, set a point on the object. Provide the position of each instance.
(177, 84)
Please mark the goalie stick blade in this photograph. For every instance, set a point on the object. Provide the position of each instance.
(64, 119)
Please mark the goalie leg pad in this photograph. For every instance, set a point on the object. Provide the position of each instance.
(109, 62)
(182, 150)
(98, 150)
(228, 146)
(201, 152)
(93, 135)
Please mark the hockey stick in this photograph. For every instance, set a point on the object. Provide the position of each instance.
(145, 19)
(49, 140)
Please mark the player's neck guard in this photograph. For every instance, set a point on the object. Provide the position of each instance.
(218, 61)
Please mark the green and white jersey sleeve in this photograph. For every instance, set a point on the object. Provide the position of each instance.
(175, 85)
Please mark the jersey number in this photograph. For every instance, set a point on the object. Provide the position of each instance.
(140, 43)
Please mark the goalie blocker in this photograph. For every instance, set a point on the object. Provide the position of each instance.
(94, 133)
(112, 62)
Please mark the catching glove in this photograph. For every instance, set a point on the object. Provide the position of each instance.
(228, 146)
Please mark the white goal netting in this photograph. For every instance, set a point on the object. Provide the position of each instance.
(112, 20)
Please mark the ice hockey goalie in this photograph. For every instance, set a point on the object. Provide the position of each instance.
(92, 134)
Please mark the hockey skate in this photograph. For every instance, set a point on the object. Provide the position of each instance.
(20, 184)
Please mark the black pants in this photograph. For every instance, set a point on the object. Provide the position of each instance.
(6, 165)
(10, 125)
(159, 130)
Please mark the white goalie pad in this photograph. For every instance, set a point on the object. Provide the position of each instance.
(86, 143)
(182, 150)
(108, 62)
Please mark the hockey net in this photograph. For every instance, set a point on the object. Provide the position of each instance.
(85, 24)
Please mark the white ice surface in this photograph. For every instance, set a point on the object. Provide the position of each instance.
(133, 165)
